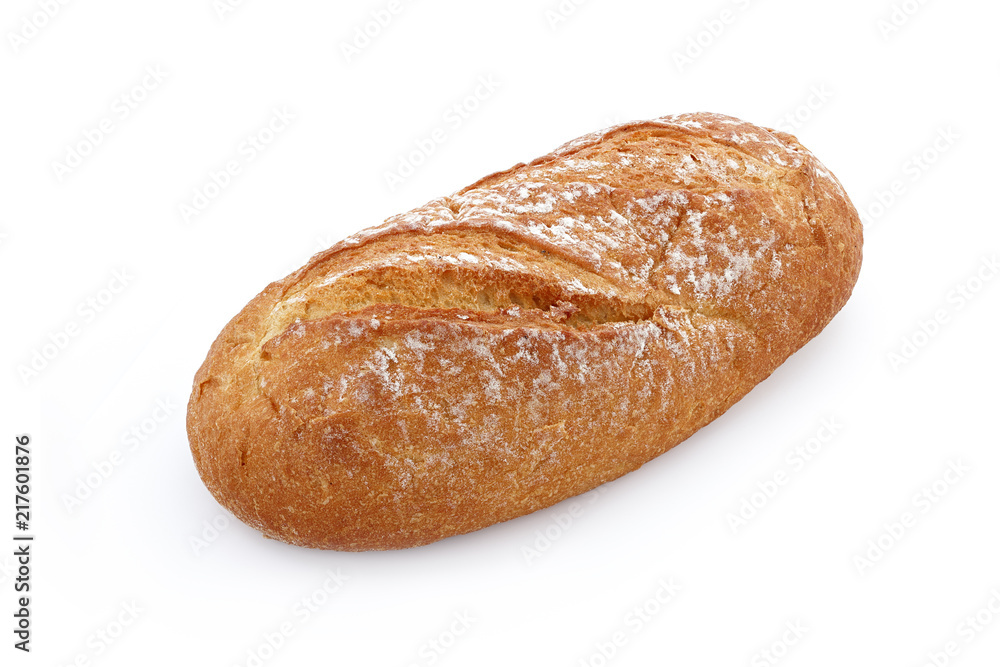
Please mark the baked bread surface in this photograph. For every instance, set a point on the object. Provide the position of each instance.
(543, 331)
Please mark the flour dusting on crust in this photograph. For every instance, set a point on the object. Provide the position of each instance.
(544, 330)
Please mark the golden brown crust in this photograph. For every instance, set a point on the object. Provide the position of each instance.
(545, 330)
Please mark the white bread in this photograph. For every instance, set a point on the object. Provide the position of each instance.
(542, 331)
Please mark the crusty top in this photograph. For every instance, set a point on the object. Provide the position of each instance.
(544, 330)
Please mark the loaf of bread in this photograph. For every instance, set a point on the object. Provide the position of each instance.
(543, 331)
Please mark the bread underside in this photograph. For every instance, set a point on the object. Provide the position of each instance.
(540, 332)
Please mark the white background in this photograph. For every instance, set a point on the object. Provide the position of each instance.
(878, 99)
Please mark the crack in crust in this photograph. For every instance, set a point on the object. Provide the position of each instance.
(540, 332)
